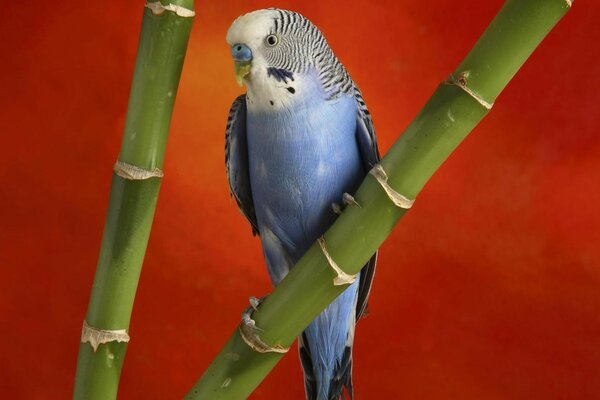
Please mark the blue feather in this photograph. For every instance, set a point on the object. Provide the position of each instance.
(298, 141)
(300, 163)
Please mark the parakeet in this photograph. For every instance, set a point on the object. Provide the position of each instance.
(299, 141)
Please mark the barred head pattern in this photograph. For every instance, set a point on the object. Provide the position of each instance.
(300, 46)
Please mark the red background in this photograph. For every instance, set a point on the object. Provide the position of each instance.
(488, 288)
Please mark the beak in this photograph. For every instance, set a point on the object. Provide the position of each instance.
(242, 57)
(241, 69)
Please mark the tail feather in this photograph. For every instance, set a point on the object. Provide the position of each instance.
(340, 383)
(310, 381)
(342, 377)
(328, 367)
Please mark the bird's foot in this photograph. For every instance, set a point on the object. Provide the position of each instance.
(336, 208)
(347, 200)
(249, 331)
(247, 314)
(255, 302)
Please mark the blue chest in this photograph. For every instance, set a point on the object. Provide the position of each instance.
(302, 159)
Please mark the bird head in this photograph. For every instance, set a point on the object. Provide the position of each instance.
(283, 58)
(272, 40)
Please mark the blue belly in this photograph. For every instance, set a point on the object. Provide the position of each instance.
(300, 163)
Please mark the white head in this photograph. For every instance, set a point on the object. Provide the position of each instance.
(252, 29)
(272, 50)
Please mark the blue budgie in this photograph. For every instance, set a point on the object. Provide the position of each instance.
(298, 144)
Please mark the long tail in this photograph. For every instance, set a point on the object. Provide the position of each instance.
(323, 386)
(326, 349)
(326, 345)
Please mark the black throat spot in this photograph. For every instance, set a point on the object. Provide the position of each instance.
(280, 74)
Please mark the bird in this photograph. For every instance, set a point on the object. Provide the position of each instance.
(298, 144)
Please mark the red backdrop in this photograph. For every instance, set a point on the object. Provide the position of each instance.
(488, 288)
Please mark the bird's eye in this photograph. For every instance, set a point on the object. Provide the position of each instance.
(272, 40)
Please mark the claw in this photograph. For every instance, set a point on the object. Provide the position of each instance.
(247, 314)
(349, 200)
(255, 302)
(247, 317)
(249, 331)
(336, 208)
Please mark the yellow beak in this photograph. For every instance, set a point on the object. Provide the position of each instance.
(241, 69)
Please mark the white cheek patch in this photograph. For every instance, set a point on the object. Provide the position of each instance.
(268, 94)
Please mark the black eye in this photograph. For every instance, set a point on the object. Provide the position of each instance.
(272, 40)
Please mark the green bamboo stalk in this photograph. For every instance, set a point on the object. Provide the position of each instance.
(161, 51)
(449, 115)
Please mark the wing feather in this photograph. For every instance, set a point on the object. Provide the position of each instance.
(236, 161)
(367, 145)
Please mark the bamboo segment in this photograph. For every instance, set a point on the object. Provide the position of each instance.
(454, 109)
(134, 192)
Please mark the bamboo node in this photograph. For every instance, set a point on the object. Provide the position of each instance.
(399, 200)
(158, 8)
(135, 173)
(461, 82)
(341, 277)
(95, 337)
(248, 332)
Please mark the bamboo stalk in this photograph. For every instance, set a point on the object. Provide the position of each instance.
(454, 109)
(133, 196)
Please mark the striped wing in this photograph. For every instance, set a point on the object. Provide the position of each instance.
(236, 161)
(367, 145)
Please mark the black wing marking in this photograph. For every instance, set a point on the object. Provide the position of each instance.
(364, 286)
(236, 160)
(367, 145)
(310, 381)
(365, 134)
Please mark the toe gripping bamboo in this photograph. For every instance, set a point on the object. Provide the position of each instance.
(341, 277)
(249, 332)
(248, 329)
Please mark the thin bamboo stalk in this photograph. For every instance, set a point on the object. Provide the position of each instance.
(454, 109)
(133, 196)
